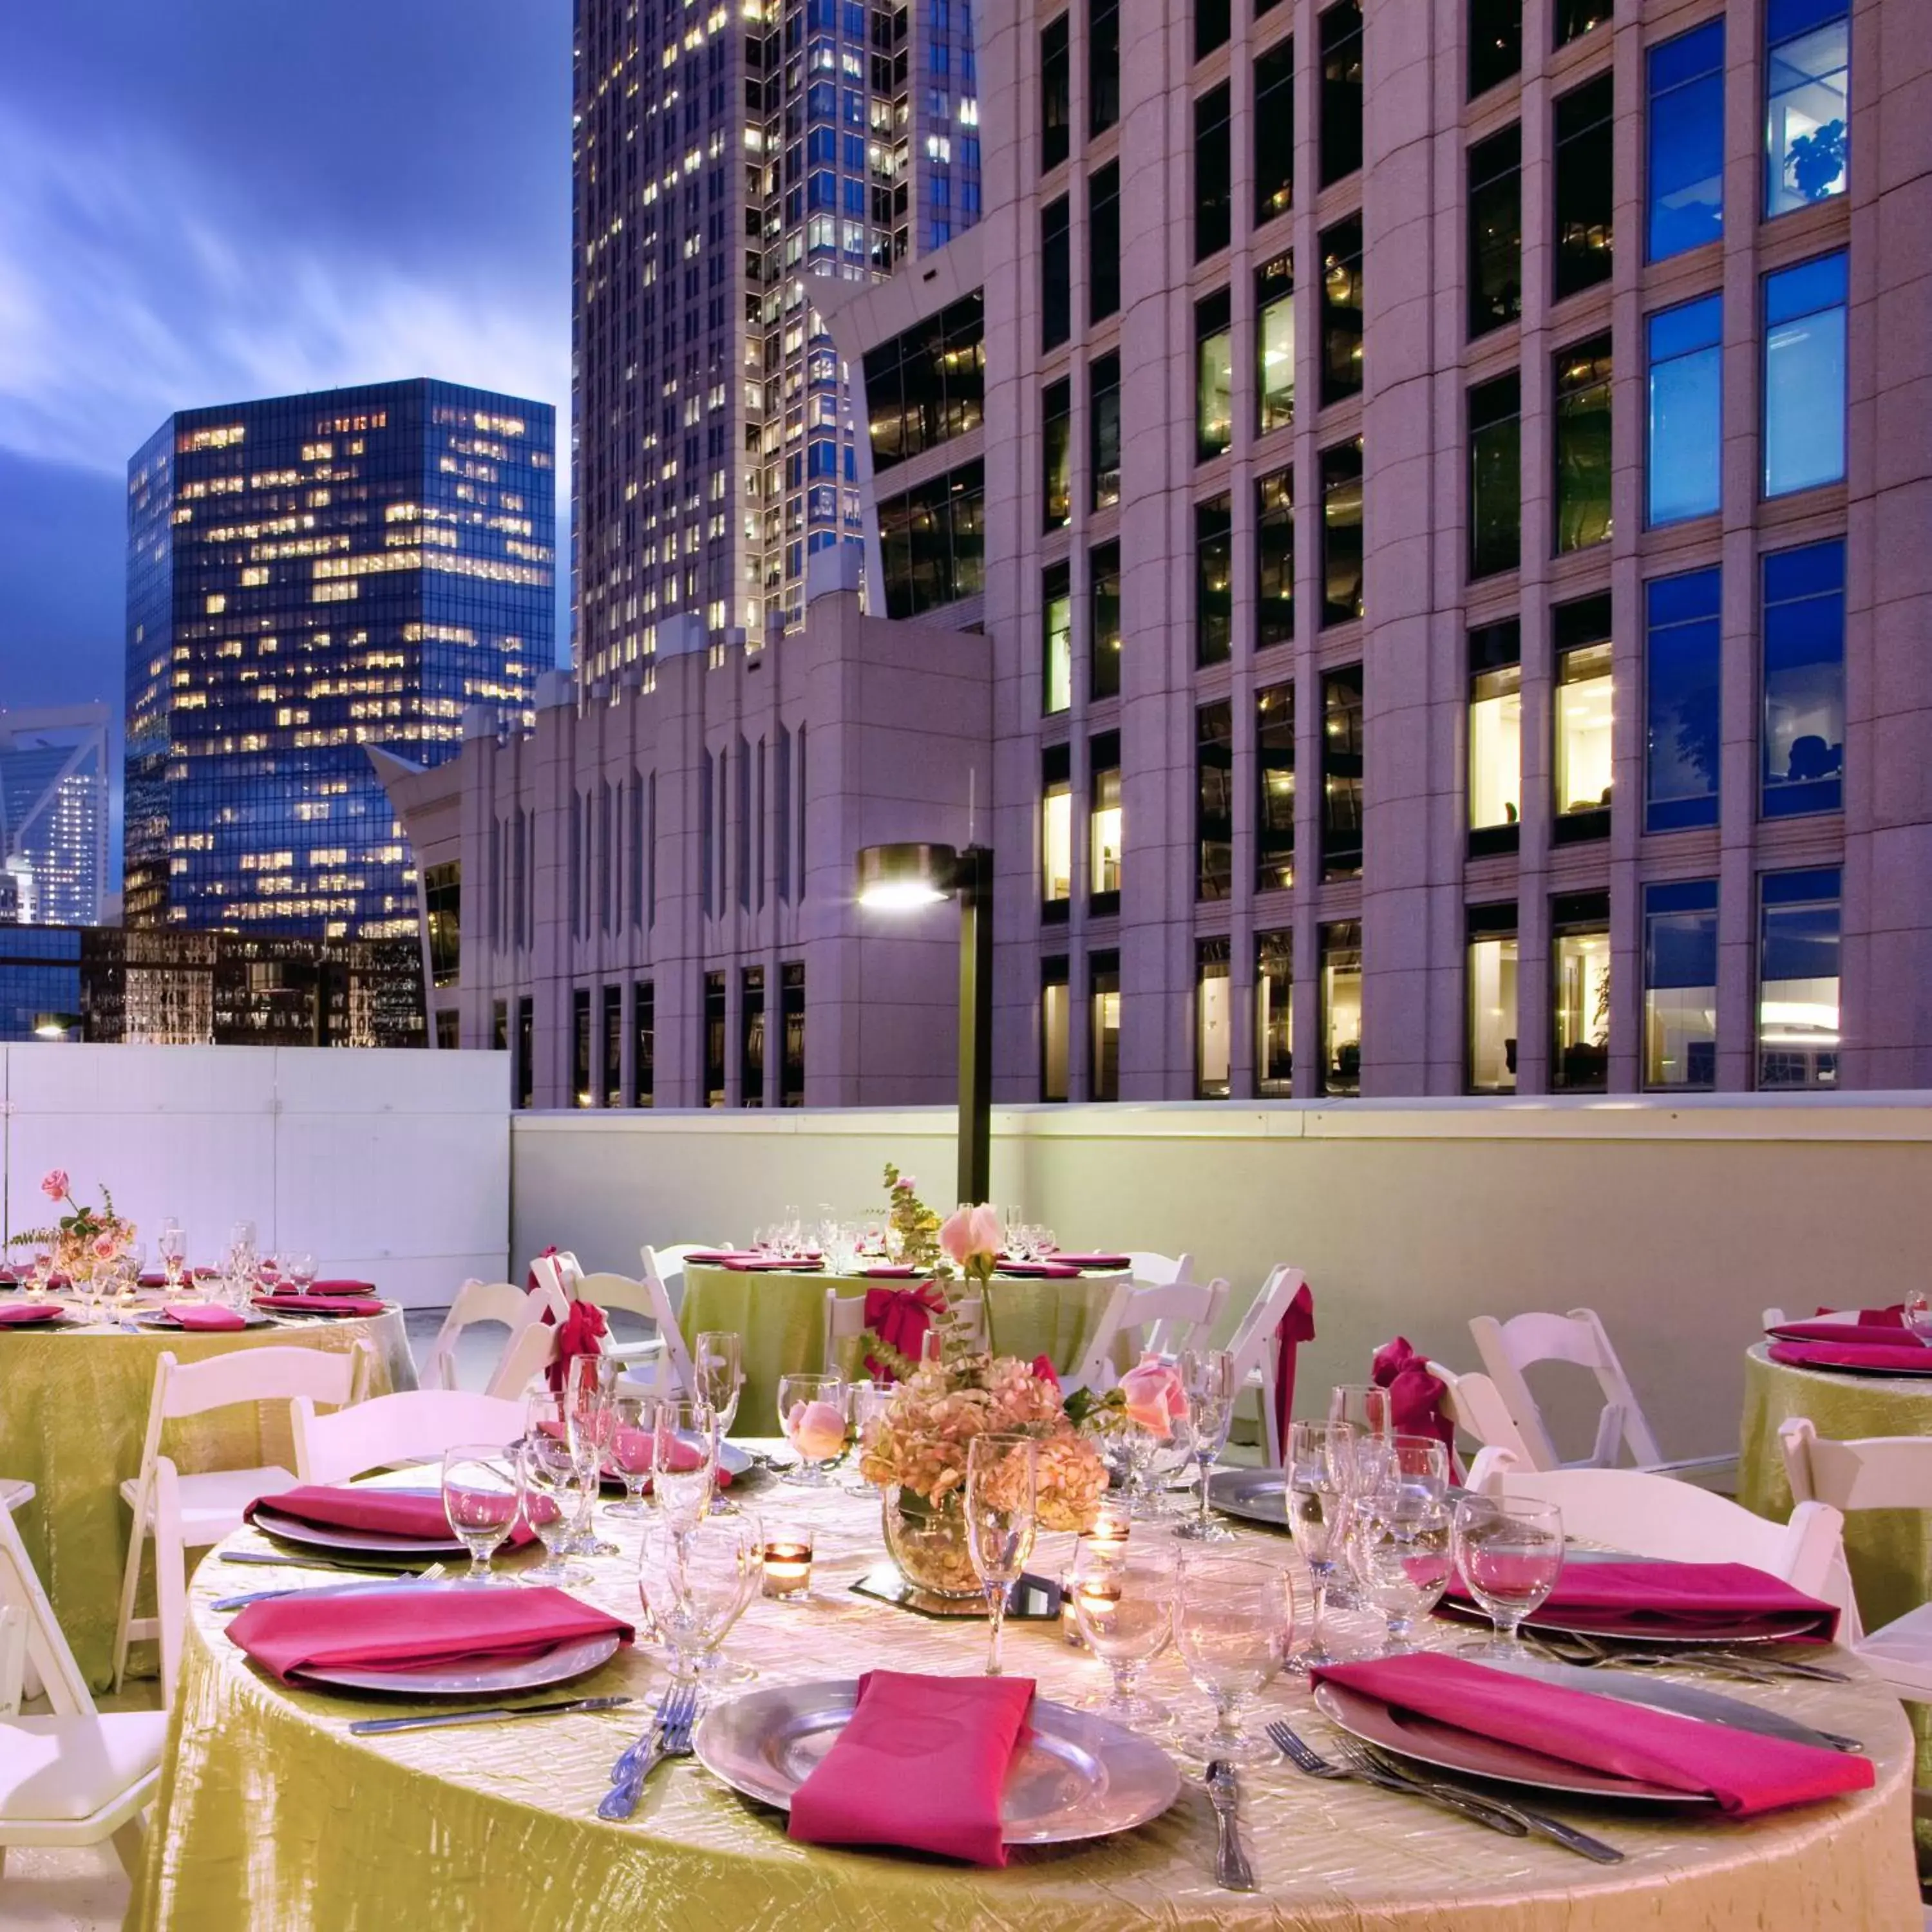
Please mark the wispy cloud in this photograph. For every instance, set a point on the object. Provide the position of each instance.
(135, 281)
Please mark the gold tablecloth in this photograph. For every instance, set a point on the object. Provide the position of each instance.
(74, 1411)
(781, 1317)
(270, 1815)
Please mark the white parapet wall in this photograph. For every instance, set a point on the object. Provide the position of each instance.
(389, 1166)
(1679, 1221)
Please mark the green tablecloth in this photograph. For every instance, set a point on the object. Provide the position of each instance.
(74, 1411)
(781, 1317)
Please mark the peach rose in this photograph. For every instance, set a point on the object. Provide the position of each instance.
(816, 1430)
(54, 1187)
(1153, 1397)
(968, 1234)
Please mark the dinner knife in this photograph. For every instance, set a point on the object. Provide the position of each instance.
(368, 1727)
(1232, 1872)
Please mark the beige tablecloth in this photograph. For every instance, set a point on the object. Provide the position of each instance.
(73, 1413)
(272, 1815)
(781, 1317)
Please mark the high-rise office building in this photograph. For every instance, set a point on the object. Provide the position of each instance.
(309, 576)
(723, 159)
(53, 812)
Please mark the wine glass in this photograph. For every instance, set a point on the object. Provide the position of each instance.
(684, 1461)
(1123, 1607)
(631, 1447)
(866, 1402)
(1401, 1552)
(1918, 1314)
(43, 1270)
(482, 1495)
(1234, 1618)
(556, 1480)
(1319, 1465)
(695, 1583)
(172, 1244)
(1001, 1494)
(811, 1413)
(1511, 1553)
(1364, 1406)
(1208, 1376)
(589, 1383)
(301, 1270)
(717, 1367)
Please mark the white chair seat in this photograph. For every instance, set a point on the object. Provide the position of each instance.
(14, 1492)
(212, 1503)
(1901, 1653)
(64, 1770)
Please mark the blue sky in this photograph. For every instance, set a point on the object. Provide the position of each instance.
(204, 200)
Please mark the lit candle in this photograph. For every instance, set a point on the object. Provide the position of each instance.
(787, 1566)
(1112, 1527)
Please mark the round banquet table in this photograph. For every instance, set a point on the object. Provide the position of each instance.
(782, 1318)
(271, 1813)
(73, 1414)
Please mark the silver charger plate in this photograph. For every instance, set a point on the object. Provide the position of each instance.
(1078, 1776)
(1407, 1734)
(1254, 1495)
(1791, 1628)
(315, 1308)
(362, 1542)
(156, 1317)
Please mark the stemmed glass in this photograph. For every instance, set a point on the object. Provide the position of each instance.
(684, 1462)
(632, 1447)
(556, 1480)
(1123, 1607)
(172, 1243)
(717, 1366)
(811, 1413)
(695, 1584)
(1510, 1554)
(866, 1402)
(1917, 1315)
(1233, 1622)
(589, 1383)
(1001, 1495)
(1208, 1376)
(1400, 1543)
(43, 1270)
(300, 1271)
(1320, 1459)
(1363, 1406)
(482, 1495)
(124, 1270)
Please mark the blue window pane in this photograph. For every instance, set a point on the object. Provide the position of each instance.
(1804, 310)
(1807, 118)
(1680, 984)
(1681, 699)
(1686, 413)
(1686, 141)
(1798, 979)
(1803, 728)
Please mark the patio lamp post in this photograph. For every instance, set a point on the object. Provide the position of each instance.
(902, 878)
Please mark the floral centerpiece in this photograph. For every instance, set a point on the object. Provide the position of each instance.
(916, 1449)
(914, 1227)
(83, 1237)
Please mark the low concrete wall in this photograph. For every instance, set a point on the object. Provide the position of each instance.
(1678, 1222)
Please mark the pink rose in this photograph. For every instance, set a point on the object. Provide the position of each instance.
(903, 1184)
(54, 1185)
(816, 1430)
(1153, 1397)
(1044, 1371)
(106, 1247)
(970, 1234)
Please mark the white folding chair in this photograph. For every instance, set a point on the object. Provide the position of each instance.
(1649, 1515)
(1841, 1317)
(1257, 1353)
(212, 1502)
(674, 1359)
(1159, 1270)
(413, 1425)
(478, 1302)
(524, 1359)
(671, 1262)
(1474, 1407)
(845, 1322)
(560, 1269)
(14, 1493)
(73, 1777)
(1508, 1348)
(607, 1292)
(1153, 1320)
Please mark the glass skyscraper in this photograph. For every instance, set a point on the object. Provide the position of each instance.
(308, 576)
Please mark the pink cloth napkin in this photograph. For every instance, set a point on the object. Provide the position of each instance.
(583, 1333)
(921, 1763)
(901, 1319)
(342, 1287)
(1296, 1326)
(1415, 1396)
(338, 1304)
(414, 1514)
(19, 1313)
(414, 1629)
(1660, 1598)
(882, 1272)
(1895, 1358)
(772, 1265)
(1746, 1774)
(193, 1315)
(1875, 1334)
(1040, 1271)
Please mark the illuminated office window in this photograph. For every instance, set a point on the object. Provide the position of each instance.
(1213, 376)
(1495, 738)
(1105, 828)
(1056, 830)
(1680, 985)
(1056, 95)
(1807, 104)
(1053, 1028)
(1274, 343)
(752, 1037)
(1103, 397)
(1495, 44)
(1686, 409)
(1342, 1007)
(1274, 1015)
(1057, 666)
(1057, 453)
(1579, 951)
(1213, 1033)
(1582, 766)
(1491, 954)
(1805, 310)
(1798, 979)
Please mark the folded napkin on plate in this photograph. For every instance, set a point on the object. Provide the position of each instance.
(414, 1629)
(1881, 1357)
(1068, 1258)
(921, 1763)
(1874, 1334)
(1656, 1599)
(415, 1514)
(1745, 1773)
(883, 1272)
(339, 1304)
(202, 1315)
(341, 1287)
(18, 1313)
(771, 1263)
(1039, 1271)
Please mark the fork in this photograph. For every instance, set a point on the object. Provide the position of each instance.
(1305, 1758)
(672, 1738)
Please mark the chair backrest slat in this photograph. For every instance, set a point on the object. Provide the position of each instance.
(1160, 1319)
(413, 1425)
(1508, 1348)
(48, 1652)
(674, 1359)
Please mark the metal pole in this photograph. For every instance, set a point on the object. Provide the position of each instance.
(974, 885)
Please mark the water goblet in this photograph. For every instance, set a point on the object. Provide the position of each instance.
(172, 1244)
(1511, 1553)
(629, 1456)
(1234, 1617)
(1402, 1556)
(43, 1271)
(717, 1364)
(1208, 1377)
(695, 1584)
(554, 1491)
(684, 1461)
(866, 1402)
(1364, 1406)
(1001, 1497)
(1319, 1461)
(1124, 1608)
(300, 1271)
(811, 1413)
(482, 1496)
